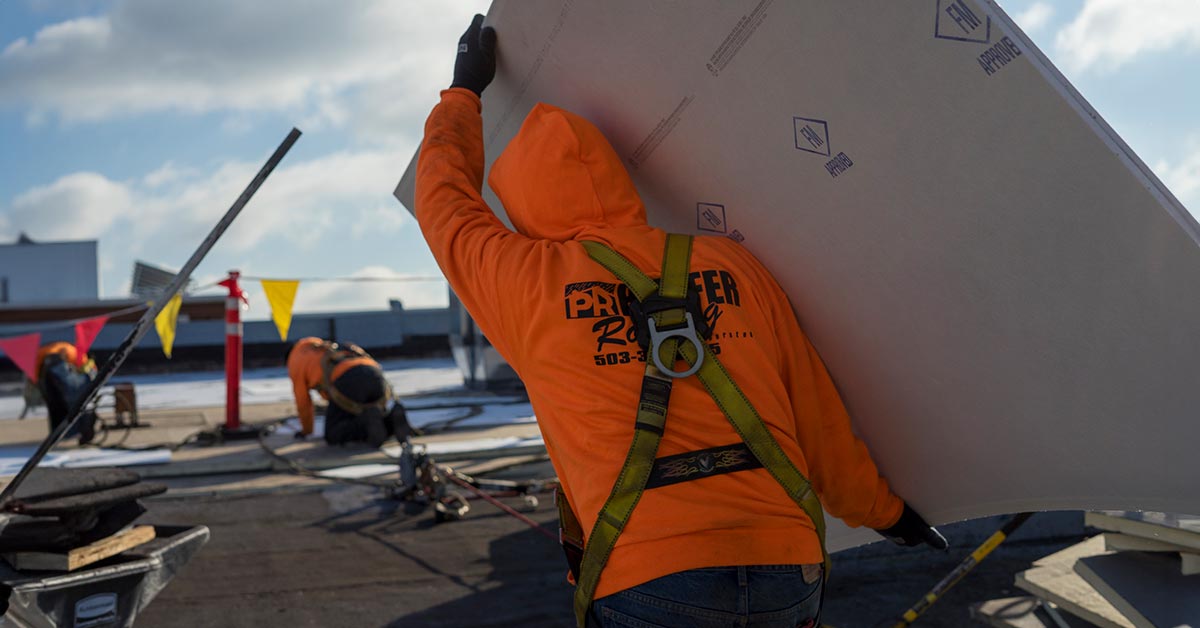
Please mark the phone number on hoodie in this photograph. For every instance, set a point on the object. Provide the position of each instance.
(625, 357)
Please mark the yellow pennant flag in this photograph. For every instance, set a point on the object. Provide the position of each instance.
(281, 294)
(164, 323)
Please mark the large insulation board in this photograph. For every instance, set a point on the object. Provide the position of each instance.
(1004, 293)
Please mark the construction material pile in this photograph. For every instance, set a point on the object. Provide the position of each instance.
(1142, 571)
(64, 519)
(73, 555)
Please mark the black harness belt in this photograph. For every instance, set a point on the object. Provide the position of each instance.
(696, 465)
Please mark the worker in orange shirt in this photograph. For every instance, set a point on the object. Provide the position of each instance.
(727, 529)
(361, 407)
(62, 379)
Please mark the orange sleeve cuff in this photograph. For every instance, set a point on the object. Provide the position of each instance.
(894, 510)
(462, 94)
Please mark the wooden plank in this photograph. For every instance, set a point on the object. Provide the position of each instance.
(1177, 529)
(1117, 542)
(1146, 587)
(81, 556)
(1053, 578)
(1189, 564)
(1189, 559)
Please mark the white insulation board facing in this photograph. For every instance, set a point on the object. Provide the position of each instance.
(1004, 293)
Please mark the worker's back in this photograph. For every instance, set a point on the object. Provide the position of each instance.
(560, 320)
(305, 362)
(65, 350)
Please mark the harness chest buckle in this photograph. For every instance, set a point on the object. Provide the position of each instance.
(688, 333)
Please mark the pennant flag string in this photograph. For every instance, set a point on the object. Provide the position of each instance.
(22, 350)
(281, 295)
(85, 334)
(351, 279)
(164, 323)
(73, 322)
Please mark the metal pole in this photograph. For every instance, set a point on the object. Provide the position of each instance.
(147, 321)
(962, 569)
(233, 352)
(233, 429)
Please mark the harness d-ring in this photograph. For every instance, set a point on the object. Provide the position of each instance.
(688, 333)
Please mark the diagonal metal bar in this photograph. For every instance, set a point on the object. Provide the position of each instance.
(143, 325)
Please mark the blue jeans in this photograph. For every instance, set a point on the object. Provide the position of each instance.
(762, 596)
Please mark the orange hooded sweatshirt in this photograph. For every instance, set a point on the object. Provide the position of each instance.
(555, 315)
(65, 349)
(305, 370)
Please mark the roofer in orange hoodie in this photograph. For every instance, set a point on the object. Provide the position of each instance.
(361, 407)
(62, 378)
(726, 529)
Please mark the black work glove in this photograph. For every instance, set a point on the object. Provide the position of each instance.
(912, 530)
(475, 66)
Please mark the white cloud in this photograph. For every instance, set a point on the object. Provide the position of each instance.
(1109, 33)
(1183, 179)
(305, 209)
(348, 296)
(300, 202)
(1035, 17)
(380, 219)
(76, 206)
(230, 55)
(167, 173)
(296, 205)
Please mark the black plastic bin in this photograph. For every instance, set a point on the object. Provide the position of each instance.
(109, 594)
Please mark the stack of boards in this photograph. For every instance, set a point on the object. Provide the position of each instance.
(1142, 571)
(65, 519)
(82, 556)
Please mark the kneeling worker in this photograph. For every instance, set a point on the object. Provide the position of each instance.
(355, 387)
(62, 381)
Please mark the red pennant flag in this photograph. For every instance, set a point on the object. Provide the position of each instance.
(22, 350)
(85, 334)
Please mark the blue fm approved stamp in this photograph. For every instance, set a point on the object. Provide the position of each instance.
(957, 21)
(812, 135)
(710, 217)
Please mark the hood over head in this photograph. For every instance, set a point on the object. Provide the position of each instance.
(559, 177)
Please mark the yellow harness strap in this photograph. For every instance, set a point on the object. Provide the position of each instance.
(652, 414)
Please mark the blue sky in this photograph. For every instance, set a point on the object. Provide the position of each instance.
(137, 122)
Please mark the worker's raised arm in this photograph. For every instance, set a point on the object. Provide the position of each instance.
(476, 252)
(840, 466)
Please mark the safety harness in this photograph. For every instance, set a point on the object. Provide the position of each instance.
(673, 330)
(334, 355)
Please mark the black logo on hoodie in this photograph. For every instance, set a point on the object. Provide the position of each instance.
(607, 304)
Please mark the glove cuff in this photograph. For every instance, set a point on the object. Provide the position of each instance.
(468, 86)
(912, 529)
